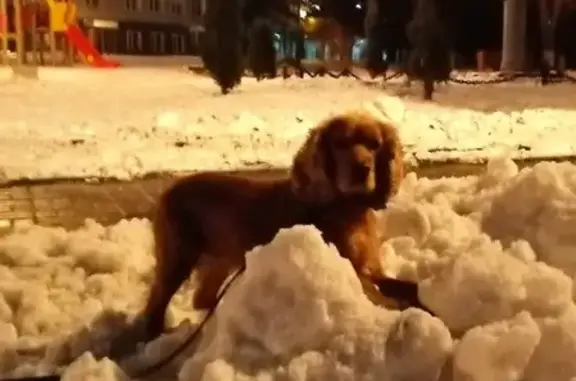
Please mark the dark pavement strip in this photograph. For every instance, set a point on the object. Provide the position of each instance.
(68, 202)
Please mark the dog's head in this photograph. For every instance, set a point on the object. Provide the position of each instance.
(350, 156)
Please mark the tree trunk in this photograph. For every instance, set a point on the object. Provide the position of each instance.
(514, 36)
(345, 42)
(550, 20)
(428, 89)
(348, 45)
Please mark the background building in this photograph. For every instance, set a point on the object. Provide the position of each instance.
(150, 27)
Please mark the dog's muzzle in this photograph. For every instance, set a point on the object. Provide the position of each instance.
(362, 177)
(360, 173)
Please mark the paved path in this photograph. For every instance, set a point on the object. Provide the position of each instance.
(70, 203)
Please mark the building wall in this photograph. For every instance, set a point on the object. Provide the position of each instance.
(146, 27)
(184, 12)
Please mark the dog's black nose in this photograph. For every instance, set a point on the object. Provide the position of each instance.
(361, 172)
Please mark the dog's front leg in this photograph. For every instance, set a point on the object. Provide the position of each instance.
(361, 245)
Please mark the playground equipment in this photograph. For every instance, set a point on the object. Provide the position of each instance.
(30, 28)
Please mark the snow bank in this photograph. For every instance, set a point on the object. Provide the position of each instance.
(176, 61)
(129, 122)
(491, 254)
(299, 313)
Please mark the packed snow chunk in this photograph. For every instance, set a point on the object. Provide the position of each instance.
(422, 237)
(554, 356)
(416, 346)
(37, 313)
(498, 170)
(104, 250)
(465, 195)
(406, 219)
(96, 255)
(498, 351)
(6, 313)
(299, 313)
(8, 334)
(493, 285)
(136, 238)
(16, 250)
(87, 368)
(539, 206)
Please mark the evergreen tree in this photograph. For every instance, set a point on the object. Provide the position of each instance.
(375, 44)
(261, 51)
(562, 32)
(300, 53)
(222, 45)
(430, 48)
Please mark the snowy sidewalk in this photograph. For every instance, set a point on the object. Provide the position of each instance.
(68, 204)
(133, 122)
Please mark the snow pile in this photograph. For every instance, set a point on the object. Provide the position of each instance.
(492, 255)
(299, 313)
(134, 121)
(63, 293)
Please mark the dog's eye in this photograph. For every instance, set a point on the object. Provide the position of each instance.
(342, 143)
(388, 155)
(371, 144)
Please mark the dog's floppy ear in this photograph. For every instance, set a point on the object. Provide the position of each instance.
(311, 169)
(389, 165)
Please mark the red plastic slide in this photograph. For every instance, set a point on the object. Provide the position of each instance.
(92, 56)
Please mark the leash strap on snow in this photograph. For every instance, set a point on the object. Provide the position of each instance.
(162, 363)
(193, 336)
(51, 377)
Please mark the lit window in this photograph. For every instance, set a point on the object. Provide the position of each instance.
(133, 5)
(176, 7)
(92, 3)
(197, 8)
(134, 41)
(155, 5)
(178, 43)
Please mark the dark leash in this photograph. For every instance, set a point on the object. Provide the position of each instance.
(193, 336)
(52, 377)
(404, 291)
(165, 361)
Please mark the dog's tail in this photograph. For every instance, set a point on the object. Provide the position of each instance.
(177, 233)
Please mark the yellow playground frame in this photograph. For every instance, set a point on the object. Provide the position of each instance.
(33, 27)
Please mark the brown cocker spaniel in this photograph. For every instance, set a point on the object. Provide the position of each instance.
(348, 166)
(352, 156)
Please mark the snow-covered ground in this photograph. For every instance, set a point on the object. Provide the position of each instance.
(128, 122)
(493, 254)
